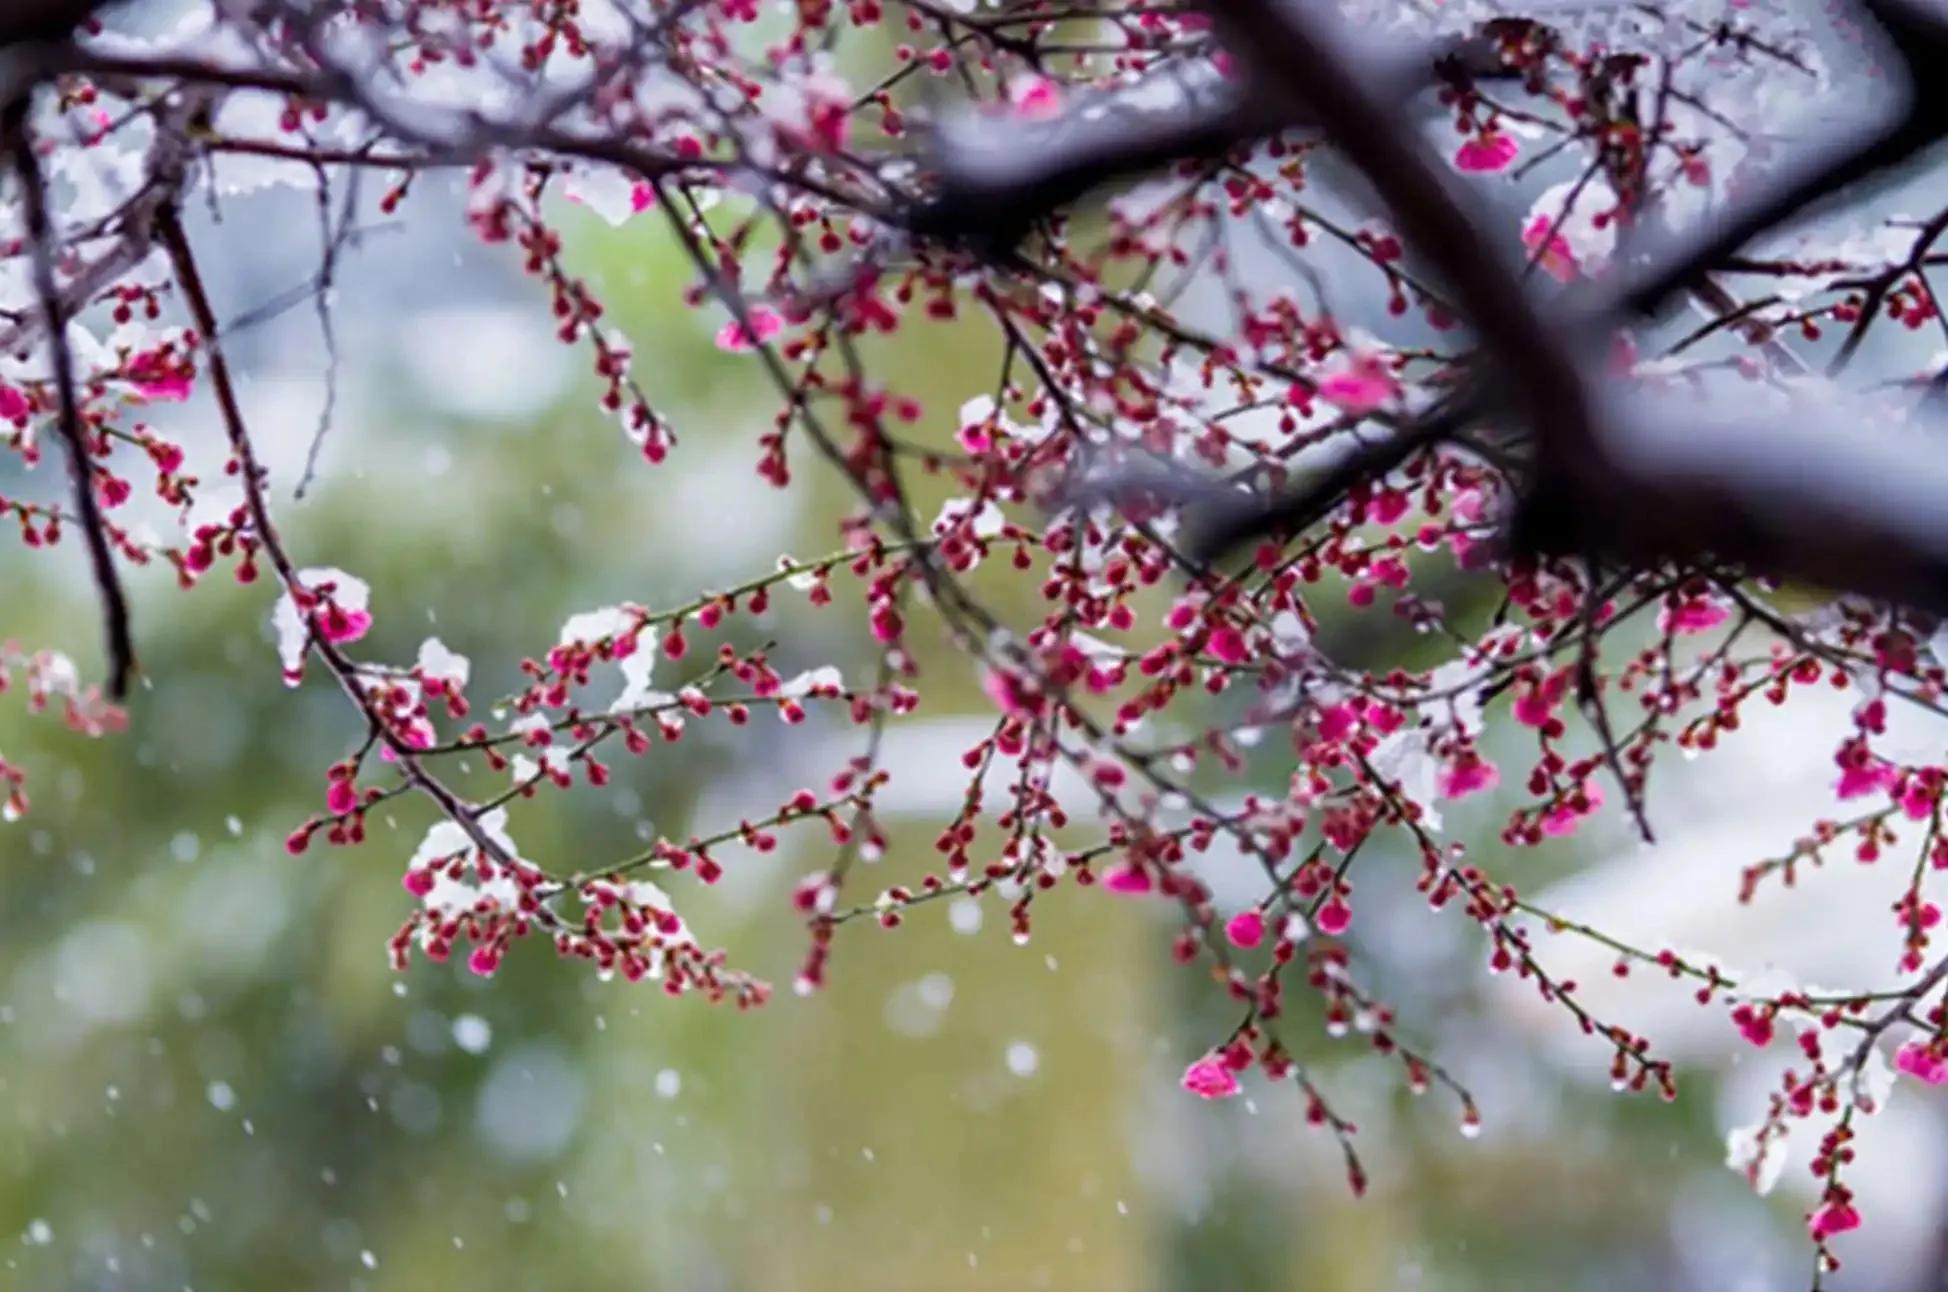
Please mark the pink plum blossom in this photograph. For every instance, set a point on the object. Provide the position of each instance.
(1693, 615)
(1035, 98)
(765, 324)
(1923, 1061)
(1246, 929)
(1470, 774)
(1366, 384)
(1210, 1078)
(1835, 1217)
(1492, 151)
(1566, 816)
(1550, 249)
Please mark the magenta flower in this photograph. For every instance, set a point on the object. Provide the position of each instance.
(1364, 386)
(1922, 1062)
(1228, 644)
(1471, 774)
(765, 324)
(336, 624)
(1836, 1217)
(1210, 1078)
(1246, 929)
(1491, 151)
(1036, 98)
(1693, 615)
(1555, 258)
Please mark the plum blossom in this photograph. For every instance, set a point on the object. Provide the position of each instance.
(1567, 816)
(1923, 1061)
(1693, 615)
(341, 615)
(1130, 881)
(1836, 1216)
(1756, 1024)
(1228, 644)
(1210, 1078)
(1246, 929)
(1571, 229)
(1487, 152)
(766, 323)
(1334, 918)
(1549, 249)
(1011, 693)
(159, 377)
(1861, 773)
(1365, 384)
(1469, 774)
(341, 797)
(1035, 98)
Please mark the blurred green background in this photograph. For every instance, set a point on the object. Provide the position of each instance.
(209, 1078)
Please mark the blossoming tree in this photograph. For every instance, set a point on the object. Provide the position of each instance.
(1518, 333)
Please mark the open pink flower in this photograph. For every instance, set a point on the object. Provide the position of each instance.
(1922, 1062)
(1131, 881)
(13, 403)
(1491, 151)
(1361, 387)
(1470, 774)
(1556, 259)
(1566, 816)
(1210, 1078)
(1336, 722)
(765, 324)
(1836, 1217)
(1036, 98)
(1755, 1025)
(337, 624)
(1010, 693)
(1246, 929)
(1228, 644)
(1534, 707)
(158, 377)
(1693, 615)
(170, 390)
(1861, 773)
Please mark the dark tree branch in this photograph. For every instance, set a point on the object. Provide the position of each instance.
(1602, 485)
(16, 143)
(23, 21)
(994, 179)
